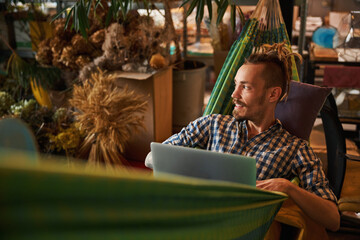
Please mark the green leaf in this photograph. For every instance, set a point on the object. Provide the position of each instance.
(75, 19)
(68, 18)
(221, 11)
(241, 14)
(191, 8)
(109, 15)
(117, 9)
(83, 20)
(84, 12)
(209, 5)
(98, 2)
(85, 16)
(184, 3)
(88, 8)
(22, 71)
(200, 11)
(123, 8)
(59, 14)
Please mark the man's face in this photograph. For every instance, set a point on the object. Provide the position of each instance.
(250, 93)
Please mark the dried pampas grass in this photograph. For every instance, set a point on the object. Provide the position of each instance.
(108, 115)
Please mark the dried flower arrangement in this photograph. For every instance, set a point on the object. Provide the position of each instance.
(135, 44)
(108, 115)
(67, 49)
(54, 129)
(68, 137)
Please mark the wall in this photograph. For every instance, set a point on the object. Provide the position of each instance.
(321, 8)
(346, 6)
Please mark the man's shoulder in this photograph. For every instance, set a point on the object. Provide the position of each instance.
(289, 137)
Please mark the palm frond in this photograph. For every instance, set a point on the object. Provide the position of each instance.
(23, 72)
(80, 11)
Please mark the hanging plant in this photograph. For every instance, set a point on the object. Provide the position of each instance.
(78, 16)
(222, 6)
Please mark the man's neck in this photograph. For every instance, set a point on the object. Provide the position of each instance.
(257, 128)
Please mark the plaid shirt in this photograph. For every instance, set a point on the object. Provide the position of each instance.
(278, 154)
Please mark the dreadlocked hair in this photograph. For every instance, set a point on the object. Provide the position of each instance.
(279, 55)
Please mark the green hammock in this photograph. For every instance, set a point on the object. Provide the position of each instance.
(48, 201)
(265, 25)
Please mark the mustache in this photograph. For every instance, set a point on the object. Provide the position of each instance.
(238, 102)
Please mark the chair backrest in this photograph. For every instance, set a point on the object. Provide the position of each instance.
(299, 111)
(335, 145)
(298, 114)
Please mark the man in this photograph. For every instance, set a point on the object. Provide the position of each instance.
(253, 131)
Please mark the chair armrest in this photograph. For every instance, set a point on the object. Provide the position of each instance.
(352, 157)
(350, 222)
(350, 203)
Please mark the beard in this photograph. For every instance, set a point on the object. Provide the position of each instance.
(236, 113)
(246, 112)
(237, 116)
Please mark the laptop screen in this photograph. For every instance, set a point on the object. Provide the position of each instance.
(201, 163)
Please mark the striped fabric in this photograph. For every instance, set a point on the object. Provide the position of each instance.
(58, 202)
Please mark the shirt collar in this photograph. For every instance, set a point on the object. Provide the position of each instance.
(275, 127)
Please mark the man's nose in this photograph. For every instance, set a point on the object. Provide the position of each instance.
(236, 93)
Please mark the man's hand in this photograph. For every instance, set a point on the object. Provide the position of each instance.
(274, 184)
(321, 210)
(149, 161)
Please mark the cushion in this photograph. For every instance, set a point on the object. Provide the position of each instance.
(298, 112)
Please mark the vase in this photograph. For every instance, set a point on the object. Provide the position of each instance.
(188, 92)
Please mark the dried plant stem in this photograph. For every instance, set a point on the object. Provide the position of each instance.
(109, 115)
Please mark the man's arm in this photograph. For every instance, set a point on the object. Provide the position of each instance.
(149, 161)
(321, 210)
(195, 134)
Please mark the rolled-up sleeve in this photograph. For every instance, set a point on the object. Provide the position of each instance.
(312, 177)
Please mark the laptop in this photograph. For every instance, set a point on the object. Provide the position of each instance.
(201, 163)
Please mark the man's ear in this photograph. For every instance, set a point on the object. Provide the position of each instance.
(275, 93)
